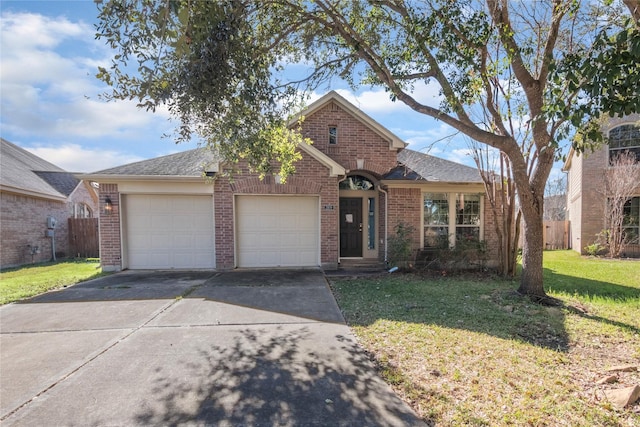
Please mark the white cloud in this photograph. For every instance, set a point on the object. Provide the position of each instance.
(460, 155)
(74, 158)
(27, 30)
(49, 89)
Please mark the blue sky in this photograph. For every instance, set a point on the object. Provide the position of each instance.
(50, 97)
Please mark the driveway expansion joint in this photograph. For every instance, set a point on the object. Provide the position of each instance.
(90, 360)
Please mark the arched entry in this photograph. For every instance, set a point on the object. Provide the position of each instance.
(358, 217)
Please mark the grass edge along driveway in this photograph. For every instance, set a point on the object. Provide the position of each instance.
(470, 351)
(30, 280)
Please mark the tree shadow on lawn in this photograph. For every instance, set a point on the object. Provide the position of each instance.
(262, 378)
(587, 289)
(480, 304)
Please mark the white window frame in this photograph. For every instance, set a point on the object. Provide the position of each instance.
(451, 199)
(631, 148)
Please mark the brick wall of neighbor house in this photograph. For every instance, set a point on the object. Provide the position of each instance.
(82, 194)
(593, 199)
(110, 237)
(574, 203)
(23, 224)
(315, 181)
(355, 140)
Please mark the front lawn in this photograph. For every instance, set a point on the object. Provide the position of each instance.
(30, 280)
(470, 351)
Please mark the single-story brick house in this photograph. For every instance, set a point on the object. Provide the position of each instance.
(31, 191)
(585, 187)
(350, 189)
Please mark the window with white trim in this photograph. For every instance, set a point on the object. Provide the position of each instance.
(451, 217)
(625, 138)
(468, 216)
(436, 220)
(81, 210)
(631, 221)
(333, 135)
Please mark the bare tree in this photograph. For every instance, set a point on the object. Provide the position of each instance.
(555, 199)
(500, 189)
(620, 181)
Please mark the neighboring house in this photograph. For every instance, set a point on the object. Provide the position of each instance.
(585, 198)
(31, 191)
(350, 189)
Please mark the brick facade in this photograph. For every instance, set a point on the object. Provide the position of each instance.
(361, 149)
(356, 141)
(24, 223)
(405, 205)
(110, 236)
(316, 181)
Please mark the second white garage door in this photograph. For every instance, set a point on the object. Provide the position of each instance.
(168, 231)
(277, 231)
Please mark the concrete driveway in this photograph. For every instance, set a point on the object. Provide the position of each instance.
(255, 348)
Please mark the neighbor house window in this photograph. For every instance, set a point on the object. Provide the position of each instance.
(468, 217)
(81, 210)
(624, 138)
(436, 220)
(333, 135)
(631, 221)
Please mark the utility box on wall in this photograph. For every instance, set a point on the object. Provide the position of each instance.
(51, 223)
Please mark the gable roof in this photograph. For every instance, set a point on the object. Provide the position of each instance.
(416, 166)
(394, 141)
(184, 165)
(26, 173)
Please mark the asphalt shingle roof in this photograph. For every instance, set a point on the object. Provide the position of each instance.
(25, 171)
(187, 163)
(416, 166)
(63, 182)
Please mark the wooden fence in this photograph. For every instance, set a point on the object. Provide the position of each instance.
(83, 238)
(556, 235)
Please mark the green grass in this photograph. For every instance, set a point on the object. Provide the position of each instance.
(470, 351)
(27, 281)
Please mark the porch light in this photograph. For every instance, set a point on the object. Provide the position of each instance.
(108, 206)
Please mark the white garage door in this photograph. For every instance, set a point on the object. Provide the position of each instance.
(169, 231)
(277, 231)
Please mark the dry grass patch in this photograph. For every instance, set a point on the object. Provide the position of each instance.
(469, 351)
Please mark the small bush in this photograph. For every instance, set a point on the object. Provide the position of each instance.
(400, 246)
(600, 246)
(467, 254)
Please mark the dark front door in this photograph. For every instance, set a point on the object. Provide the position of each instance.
(350, 227)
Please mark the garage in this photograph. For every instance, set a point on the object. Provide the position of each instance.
(168, 231)
(277, 231)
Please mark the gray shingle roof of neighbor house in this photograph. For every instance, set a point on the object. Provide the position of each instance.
(416, 166)
(191, 163)
(25, 172)
(63, 182)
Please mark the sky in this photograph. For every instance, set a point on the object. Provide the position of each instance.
(50, 99)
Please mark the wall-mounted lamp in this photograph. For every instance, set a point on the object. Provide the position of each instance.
(108, 206)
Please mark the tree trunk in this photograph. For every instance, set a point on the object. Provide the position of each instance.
(531, 282)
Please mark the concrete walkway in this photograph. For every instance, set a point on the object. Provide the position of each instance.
(241, 348)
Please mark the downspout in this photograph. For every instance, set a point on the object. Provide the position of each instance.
(386, 220)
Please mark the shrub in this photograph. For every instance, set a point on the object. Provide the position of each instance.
(400, 251)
